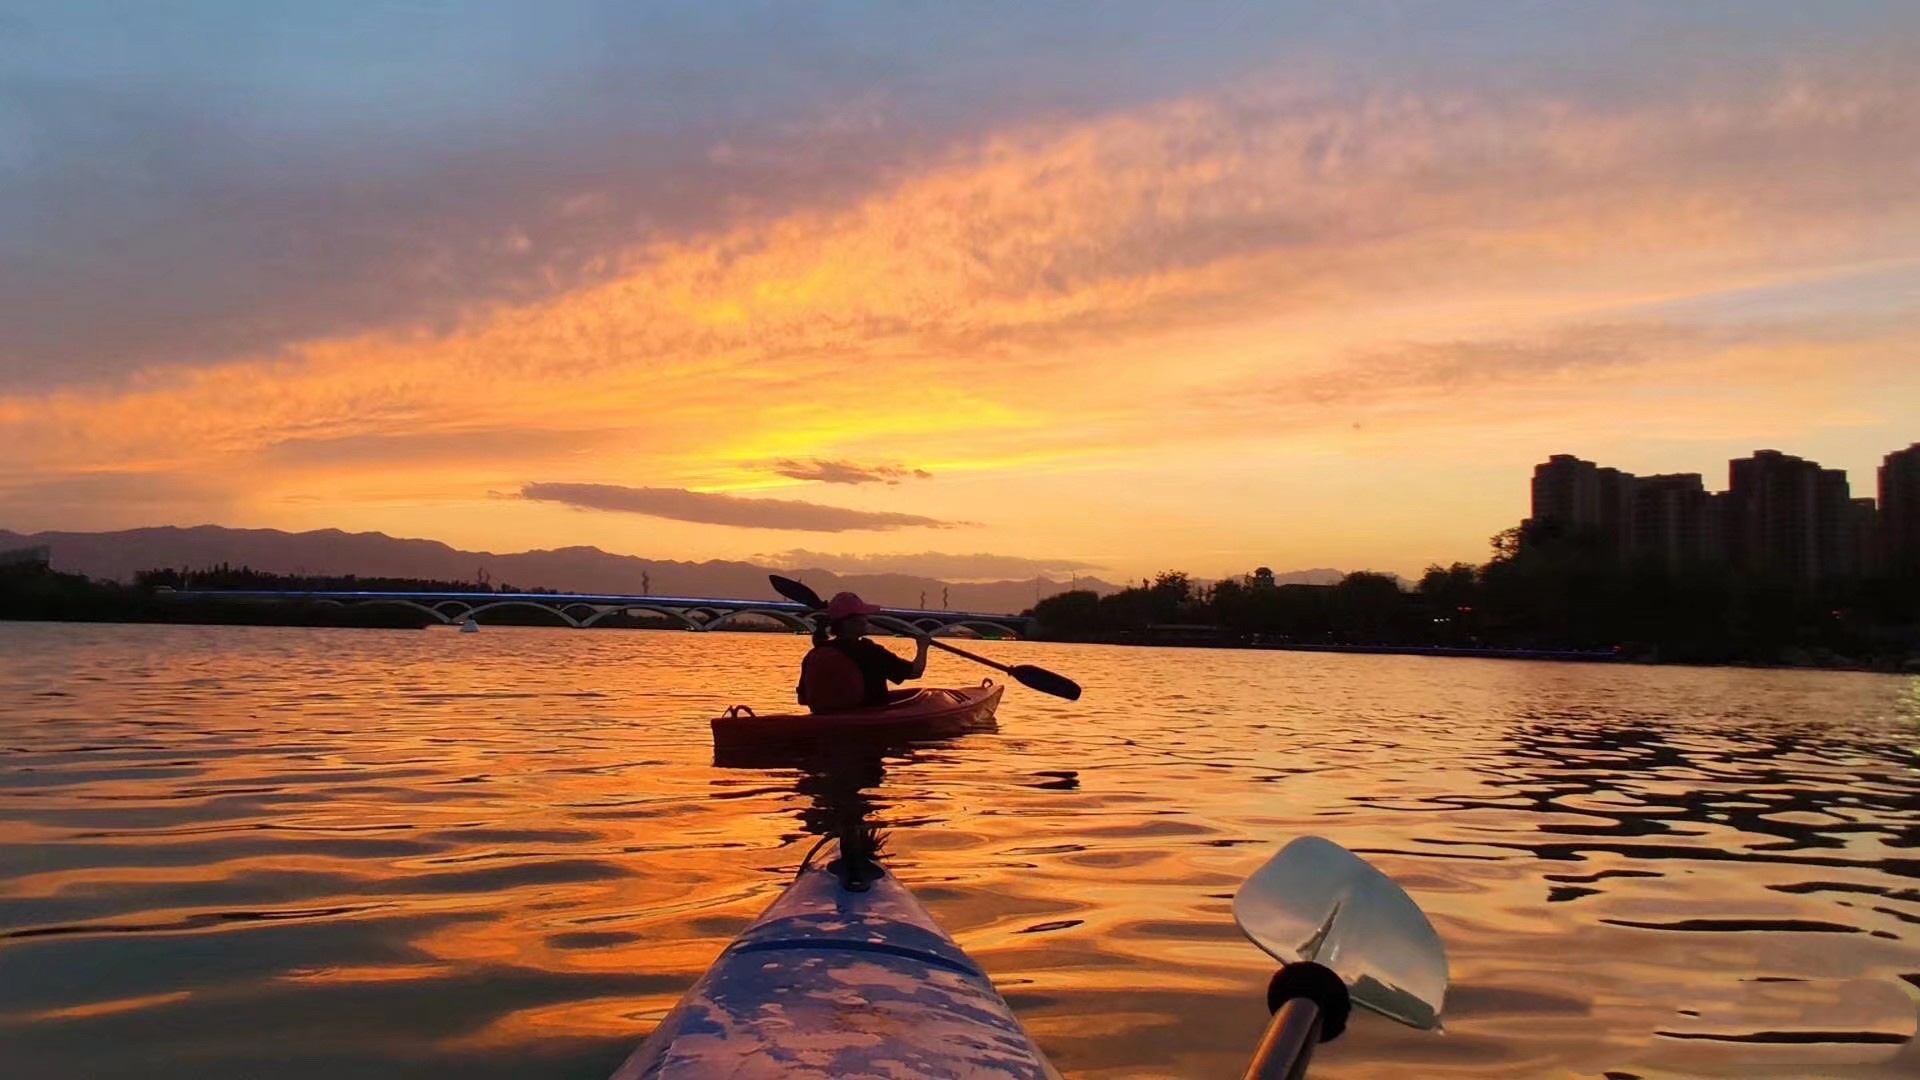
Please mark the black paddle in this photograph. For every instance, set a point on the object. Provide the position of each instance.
(1036, 678)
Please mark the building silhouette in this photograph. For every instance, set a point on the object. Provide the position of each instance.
(1867, 540)
(1677, 522)
(1900, 511)
(1581, 496)
(1671, 519)
(1781, 517)
(1788, 517)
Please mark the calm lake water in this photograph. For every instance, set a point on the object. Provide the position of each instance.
(318, 853)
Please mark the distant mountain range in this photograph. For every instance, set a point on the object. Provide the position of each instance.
(120, 555)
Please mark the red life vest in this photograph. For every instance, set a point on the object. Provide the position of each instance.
(831, 682)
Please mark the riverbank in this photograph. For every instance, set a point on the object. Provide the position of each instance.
(92, 602)
(50, 597)
(132, 611)
(1584, 656)
(1791, 657)
(1795, 658)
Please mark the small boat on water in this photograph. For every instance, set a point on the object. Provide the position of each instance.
(846, 974)
(931, 713)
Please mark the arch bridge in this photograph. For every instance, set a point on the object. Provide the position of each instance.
(583, 610)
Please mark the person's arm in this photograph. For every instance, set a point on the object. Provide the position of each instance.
(897, 669)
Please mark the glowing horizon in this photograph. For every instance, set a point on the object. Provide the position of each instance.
(1310, 309)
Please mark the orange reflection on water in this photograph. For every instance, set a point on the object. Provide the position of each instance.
(513, 850)
(106, 1008)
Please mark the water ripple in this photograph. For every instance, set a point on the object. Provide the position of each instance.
(230, 851)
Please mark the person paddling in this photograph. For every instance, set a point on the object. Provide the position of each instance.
(847, 670)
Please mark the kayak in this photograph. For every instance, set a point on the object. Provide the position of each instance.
(839, 981)
(917, 714)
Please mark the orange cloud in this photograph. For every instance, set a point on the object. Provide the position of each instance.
(847, 472)
(715, 509)
(1255, 271)
(935, 564)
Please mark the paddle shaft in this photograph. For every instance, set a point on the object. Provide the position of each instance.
(997, 666)
(1288, 1044)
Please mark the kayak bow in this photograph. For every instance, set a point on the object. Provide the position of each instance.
(833, 981)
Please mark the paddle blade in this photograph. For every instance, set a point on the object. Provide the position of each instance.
(1047, 682)
(796, 591)
(1318, 901)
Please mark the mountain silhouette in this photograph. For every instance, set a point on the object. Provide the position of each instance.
(119, 555)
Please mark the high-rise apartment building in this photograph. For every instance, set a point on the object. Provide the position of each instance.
(1676, 521)
(1834, 524)
(1786, 516)
(1900, 510)
(1566, 491)
(1782, 516)
(1866, 545)
(1578, 495)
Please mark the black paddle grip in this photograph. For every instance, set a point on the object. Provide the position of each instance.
(1318, 984)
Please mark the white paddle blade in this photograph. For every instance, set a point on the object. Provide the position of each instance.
(1318, 901)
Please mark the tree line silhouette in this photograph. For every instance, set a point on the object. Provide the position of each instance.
(1543, 588)
(39, 593)
(227, 576)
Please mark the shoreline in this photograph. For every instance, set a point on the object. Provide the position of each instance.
(1574, 656)
(1808, 658)
(303, 616)
(1908, 668)
(327, 617)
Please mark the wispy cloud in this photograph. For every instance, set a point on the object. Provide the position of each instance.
(709, 508)
(1218, 287)
(994, 282)
(1685, 380)
(933, 564)
(847, 472)
(1469, 365)
(405, 449)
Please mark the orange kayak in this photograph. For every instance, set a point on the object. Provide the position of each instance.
(918, 714)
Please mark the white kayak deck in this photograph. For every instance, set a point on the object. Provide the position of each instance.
(836, 983)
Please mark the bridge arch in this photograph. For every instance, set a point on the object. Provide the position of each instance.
(786, 617)
(668, 613)
(997, 631)
(461, 608)
(588, 612)
(397, 602)
(535, 605)
(984, 627)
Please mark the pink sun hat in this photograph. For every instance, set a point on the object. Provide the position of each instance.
(846, 603)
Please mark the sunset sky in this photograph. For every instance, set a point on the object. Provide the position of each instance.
(1108, 287)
